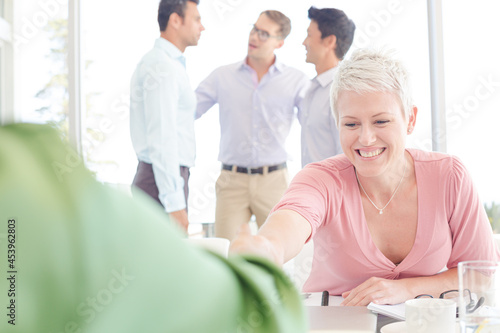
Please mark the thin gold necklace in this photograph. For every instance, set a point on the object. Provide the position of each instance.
(381, 210)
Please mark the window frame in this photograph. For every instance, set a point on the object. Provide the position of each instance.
(74, 75)
(7, 114)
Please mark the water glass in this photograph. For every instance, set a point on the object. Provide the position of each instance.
(479, 296)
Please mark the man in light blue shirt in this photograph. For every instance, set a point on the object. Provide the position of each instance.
(329, 37)
(257, 98)
(162, 108)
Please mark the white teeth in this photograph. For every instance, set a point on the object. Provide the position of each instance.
(371, 153)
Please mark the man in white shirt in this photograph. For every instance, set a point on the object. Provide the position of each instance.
(329, 37)
(162, 107)
(257, 98)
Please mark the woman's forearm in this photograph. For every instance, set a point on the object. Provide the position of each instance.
(433, 285)
(280, 239)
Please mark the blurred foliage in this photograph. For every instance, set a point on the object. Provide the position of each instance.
(54, 95)
(493, 211)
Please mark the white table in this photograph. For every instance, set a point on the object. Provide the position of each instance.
(336, 318)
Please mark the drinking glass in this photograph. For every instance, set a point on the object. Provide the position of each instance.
(479, 296)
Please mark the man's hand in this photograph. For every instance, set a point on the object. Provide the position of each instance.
(181, 218)
(379, 291)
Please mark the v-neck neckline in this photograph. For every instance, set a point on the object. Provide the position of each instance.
(364, 237)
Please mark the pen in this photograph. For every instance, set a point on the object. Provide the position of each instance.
(325, 296)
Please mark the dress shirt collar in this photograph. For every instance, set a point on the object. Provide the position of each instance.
(171, 50)
(325, 78)
(276, 66)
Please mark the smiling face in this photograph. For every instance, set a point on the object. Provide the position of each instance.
(317, 48)
(259, 49)
(373, 130)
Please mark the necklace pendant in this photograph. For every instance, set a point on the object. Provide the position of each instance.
(381, 212)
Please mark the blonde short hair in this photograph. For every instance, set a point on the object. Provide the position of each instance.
(372, 70)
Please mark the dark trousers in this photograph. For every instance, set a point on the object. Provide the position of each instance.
(145, 180)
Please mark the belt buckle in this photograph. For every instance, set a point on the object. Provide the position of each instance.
(249, 171)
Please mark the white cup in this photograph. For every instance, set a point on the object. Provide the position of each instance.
(430, 315)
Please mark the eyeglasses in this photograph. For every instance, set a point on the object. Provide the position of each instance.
(470, 304)
(262, 34)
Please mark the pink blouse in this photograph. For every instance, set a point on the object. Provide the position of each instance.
(452, 223)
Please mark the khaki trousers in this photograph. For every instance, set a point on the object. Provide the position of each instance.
(240, 195)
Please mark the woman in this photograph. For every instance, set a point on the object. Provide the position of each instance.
(385, 220)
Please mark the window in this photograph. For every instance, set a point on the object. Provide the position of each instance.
(473, 94)
(41, 81)
(107, 74)
(113, 44)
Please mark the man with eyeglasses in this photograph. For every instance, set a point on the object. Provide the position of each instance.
(257, 97)
(162, 105)
(329, 37)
